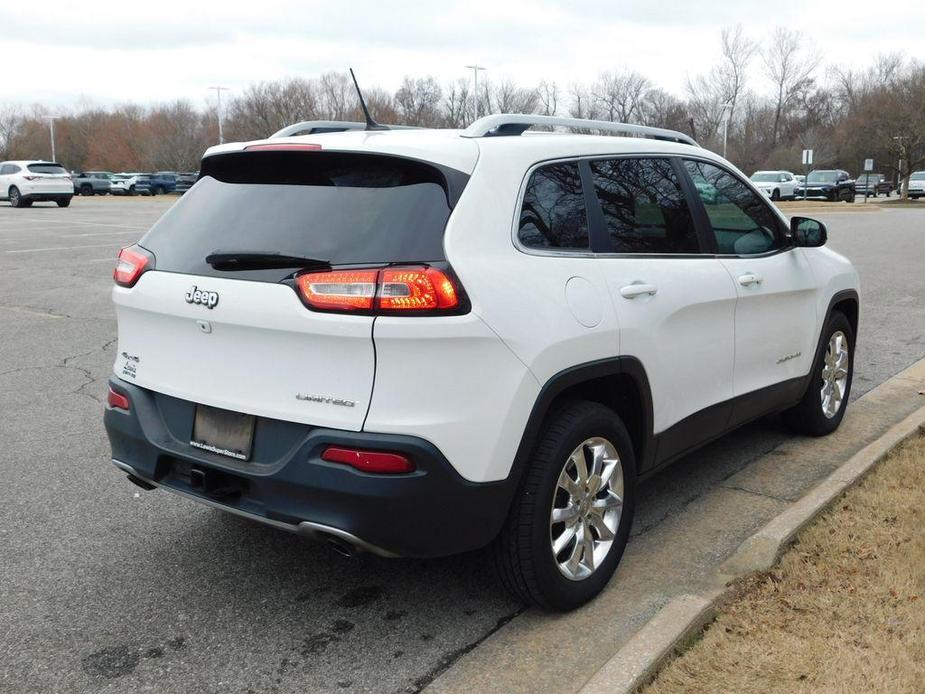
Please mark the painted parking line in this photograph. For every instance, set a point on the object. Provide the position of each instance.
(72, 236)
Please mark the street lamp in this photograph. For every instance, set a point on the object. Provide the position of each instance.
(475, 82)
(51, 127)
(218, 93)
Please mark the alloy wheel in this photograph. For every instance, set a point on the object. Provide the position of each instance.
(835, 374)
(586, 508)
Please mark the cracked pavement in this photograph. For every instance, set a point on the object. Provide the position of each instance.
(106, 588)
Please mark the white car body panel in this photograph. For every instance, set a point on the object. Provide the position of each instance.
(264, 348)
(451, 381)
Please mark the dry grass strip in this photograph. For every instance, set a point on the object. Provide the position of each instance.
(844, 611)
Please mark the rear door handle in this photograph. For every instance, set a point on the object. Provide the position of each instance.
(631, 291)
(748, 279)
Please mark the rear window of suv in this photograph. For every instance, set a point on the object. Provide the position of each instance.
(47, 168)
(340, 208)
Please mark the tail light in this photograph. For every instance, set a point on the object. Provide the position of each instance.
(132, 262)
(393, 290)
(378, 462)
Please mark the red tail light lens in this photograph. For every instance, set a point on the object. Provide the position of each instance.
(339, 290)
(376, 462)
(129, 267)
(416, 289)
(117, 400)
(390, 290)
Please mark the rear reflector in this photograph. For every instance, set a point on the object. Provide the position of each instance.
(117, 400)
(369, 461)
(132, 262)
(390, 290)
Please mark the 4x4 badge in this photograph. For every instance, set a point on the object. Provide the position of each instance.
(202, 297)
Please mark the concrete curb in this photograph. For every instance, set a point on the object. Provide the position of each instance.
(638, 661)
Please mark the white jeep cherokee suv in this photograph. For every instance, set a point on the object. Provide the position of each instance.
(424, 342)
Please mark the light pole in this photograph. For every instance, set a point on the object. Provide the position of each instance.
(899, 165)
(51, 127)
(475, 86)
(218, 94)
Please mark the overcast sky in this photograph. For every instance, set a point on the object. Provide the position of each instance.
(66, 53)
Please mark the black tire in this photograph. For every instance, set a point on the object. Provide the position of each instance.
(157, 190)
(15, 197)
(850, 197)
(132, 191)
(775, 195)
(86, 189)
(807, 417)
(834, 196)
(522, 552)
(64, 202)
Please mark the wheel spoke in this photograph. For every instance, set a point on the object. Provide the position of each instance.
(566, 515)
(562, 541)
(597, 459)
(601, 506)
(588, 546)
(581, 465)
(611, 465)
(604, 533)
(572, 487)
(574, 559)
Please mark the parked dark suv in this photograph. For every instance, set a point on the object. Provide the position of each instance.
(872, 184)
(831, 184)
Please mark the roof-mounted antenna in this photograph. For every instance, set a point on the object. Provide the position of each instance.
(370, 123)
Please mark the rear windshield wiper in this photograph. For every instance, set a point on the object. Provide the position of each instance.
(261, 260)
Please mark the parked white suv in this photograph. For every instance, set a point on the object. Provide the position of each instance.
(777, 185)
(25, 182)
(423, 342)
(917, 185)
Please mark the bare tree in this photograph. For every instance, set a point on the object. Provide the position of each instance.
(619, 95)
(507, 97)
(418, 101)
(789, 64)
(548, 93)
(457, 105)
(738, 51)
(11, 119)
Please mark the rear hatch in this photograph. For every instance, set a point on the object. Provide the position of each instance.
(48, 177)
(236, 335)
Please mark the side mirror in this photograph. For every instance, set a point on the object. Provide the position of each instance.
(807, 233)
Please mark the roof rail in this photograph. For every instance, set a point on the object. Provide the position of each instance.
(516, 123)
(316, 127)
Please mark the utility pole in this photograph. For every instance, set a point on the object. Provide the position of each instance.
(475, 86)
(51, 126)
(218, 94)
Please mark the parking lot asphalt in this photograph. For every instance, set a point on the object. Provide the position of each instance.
(107, 588)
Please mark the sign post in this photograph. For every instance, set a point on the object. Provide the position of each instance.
(868, 167)
(807, 162)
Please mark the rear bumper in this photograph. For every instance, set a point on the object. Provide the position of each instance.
(430, 512)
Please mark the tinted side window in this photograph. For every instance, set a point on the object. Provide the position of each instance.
(742, 222)
(644, 207)
(5, 169)
(553, 213)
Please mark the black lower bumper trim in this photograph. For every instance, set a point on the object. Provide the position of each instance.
(430, 512)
